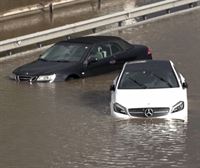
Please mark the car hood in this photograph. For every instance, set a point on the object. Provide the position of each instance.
(40, 67)
(150, 97)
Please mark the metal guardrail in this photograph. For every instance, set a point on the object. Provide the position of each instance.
(119, 17)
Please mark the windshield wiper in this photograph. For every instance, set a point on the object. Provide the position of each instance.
(138, 83)
(162, 79)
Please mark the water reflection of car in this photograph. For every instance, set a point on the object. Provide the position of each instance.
(81, 57)
(149, 89)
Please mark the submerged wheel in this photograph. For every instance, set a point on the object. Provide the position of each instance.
(71, 77)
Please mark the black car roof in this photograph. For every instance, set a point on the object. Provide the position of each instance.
(93, 39)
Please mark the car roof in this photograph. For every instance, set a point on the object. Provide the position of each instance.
(149, 64)
(93, 39)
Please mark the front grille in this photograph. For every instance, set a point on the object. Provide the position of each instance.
(26, 78)
(149, 112)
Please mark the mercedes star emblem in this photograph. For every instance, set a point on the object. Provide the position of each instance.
(148, 112)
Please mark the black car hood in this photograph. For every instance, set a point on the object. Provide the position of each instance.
(42, 67)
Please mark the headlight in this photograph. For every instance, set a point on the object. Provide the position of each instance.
(46, 78)
(178, 107)
(119, 108)
(12, 76)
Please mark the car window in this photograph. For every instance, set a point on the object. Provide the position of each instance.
(100, 51)
(65, 52)
(124, 44)
(115, 48)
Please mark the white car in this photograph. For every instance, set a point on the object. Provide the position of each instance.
(149, 89)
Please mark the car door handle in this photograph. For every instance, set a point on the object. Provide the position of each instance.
(112, 62)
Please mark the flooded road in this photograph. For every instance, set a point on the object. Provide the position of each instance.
(73, 13)
(68, 124)
(13, 4)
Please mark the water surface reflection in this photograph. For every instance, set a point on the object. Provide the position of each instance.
(68, 124)
(69, 14)
(91, 138)
(142, 143)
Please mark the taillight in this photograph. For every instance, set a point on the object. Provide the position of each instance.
(149, 52)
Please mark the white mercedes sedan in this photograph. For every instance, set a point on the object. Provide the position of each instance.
(149, 89)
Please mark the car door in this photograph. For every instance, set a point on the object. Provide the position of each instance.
(118, 54)
(99, 60)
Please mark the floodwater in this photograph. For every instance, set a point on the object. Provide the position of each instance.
(13, 4)
(73, 13)
(68, 124)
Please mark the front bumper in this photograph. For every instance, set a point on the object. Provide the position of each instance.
(152, 113)
(33, 78)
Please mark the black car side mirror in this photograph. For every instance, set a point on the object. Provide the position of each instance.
(184, 85)
(112, 88)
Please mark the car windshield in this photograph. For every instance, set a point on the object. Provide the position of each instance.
(148, 79)
(64, 52)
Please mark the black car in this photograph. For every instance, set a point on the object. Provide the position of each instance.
(81, 57)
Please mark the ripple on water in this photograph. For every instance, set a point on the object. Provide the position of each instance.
(140, 143)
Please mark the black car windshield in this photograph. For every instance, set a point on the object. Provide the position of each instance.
(148, 78)
(65, 52)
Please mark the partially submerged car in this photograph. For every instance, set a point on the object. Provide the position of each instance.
(149, 89)
(81, 57)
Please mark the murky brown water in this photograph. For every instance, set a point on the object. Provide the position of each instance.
(13, 4)
(67, 15)
(68, 124)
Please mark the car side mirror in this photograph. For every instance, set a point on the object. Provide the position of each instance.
(112, 88)
(184, 85)
(92, 59)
